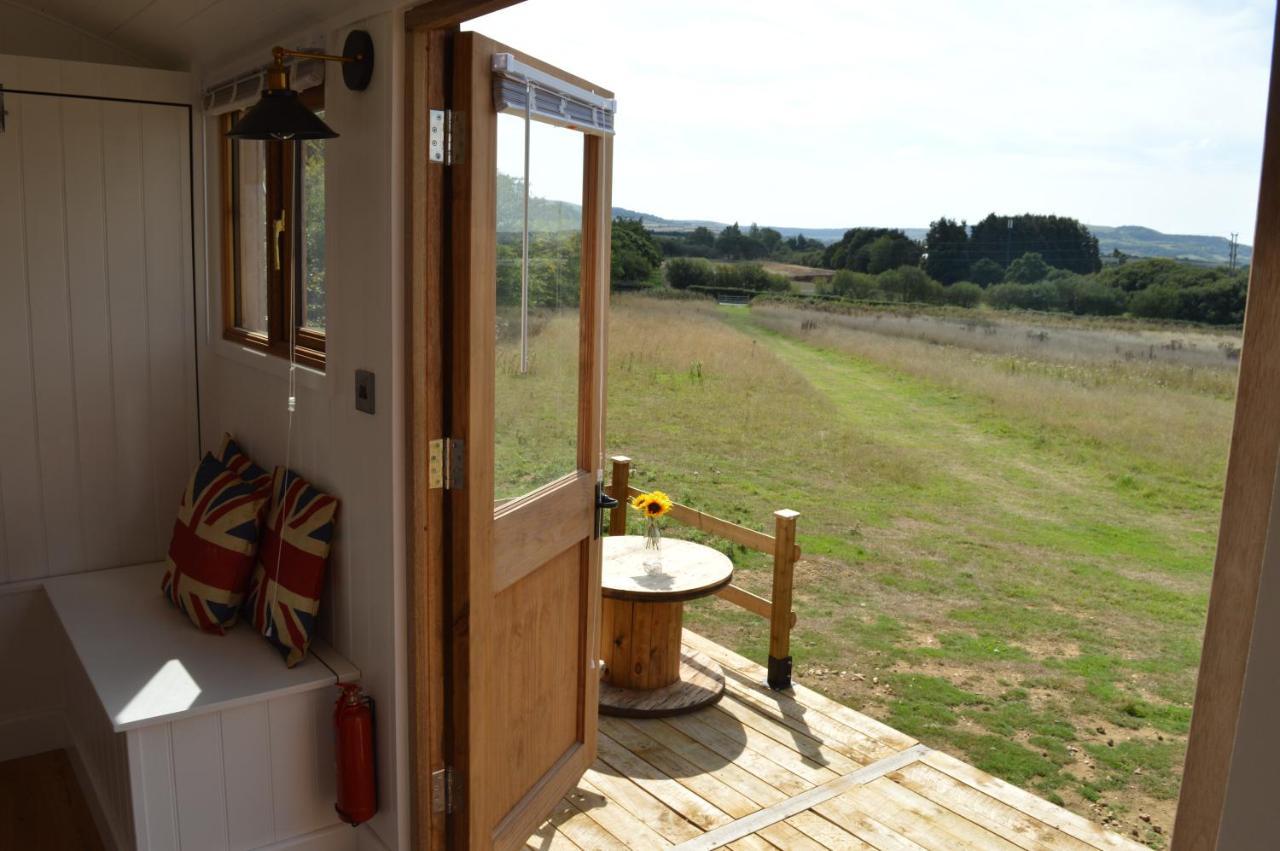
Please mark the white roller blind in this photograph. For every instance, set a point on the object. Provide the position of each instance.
(244, 91)
(522, 89)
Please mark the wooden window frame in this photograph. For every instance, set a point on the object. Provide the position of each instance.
(284, 285)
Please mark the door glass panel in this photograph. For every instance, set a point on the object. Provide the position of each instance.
(538, 289)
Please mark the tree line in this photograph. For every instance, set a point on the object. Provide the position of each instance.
(1028, 261)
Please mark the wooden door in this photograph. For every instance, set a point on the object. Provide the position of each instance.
(525, 369)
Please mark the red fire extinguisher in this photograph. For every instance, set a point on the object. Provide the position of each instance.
(353, 729)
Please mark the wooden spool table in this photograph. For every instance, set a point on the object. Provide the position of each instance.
(647, 672)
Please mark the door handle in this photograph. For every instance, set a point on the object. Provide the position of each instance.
(604, 503)
(277, 231)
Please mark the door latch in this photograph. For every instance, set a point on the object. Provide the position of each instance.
(604, 503)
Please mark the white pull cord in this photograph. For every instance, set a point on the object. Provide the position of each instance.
(292, 406)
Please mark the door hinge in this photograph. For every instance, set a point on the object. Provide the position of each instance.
(440, 136)
(446, 460)
(444, 791)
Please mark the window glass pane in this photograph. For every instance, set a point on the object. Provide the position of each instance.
(536, 393)
(311, 260)
(251, 246)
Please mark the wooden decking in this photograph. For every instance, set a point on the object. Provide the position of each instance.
(795, 770)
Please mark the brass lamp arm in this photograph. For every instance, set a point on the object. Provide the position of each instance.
(279, 54)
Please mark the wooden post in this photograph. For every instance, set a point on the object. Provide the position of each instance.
(784, 564)
(621, 478)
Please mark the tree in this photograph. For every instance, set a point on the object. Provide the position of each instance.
(947, 247)
(855, 285)
(733, 244)
(962, 294)
(1027, 269)
(684, 272)
(984, 272)
(702, 237)
(910, 283)
(634, 255)
(885, 253)
(852, 251)
(1061, 241)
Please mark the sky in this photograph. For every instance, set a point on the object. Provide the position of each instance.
(838, 114)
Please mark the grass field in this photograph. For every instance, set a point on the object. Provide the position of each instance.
(1007, 553)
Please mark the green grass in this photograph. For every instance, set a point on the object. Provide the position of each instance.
(988, 568)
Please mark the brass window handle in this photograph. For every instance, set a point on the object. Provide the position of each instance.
(277, 229)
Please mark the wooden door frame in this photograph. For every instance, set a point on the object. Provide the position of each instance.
(1246, 513)
(426, 31)
(1247, 500)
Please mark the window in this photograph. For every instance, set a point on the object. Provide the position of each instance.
(274, 242)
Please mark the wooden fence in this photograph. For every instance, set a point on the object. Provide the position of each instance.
(781, 545)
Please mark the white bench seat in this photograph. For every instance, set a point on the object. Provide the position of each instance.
(190, 740)
(150, 665)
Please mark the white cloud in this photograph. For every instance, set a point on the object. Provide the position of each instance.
(830, 114)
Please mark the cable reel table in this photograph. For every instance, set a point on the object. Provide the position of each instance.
(648, 673)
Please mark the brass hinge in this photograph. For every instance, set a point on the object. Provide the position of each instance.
(444, 792)
(446, 460)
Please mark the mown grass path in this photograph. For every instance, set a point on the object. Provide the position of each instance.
(1019, 593)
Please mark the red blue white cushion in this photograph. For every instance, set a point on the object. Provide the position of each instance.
(214, 539)
(284, 597)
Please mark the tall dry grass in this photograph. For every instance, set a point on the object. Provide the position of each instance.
(1159, 411)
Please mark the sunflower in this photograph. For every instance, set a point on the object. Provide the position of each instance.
(653, 504)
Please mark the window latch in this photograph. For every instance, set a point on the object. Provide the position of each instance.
(277, 231)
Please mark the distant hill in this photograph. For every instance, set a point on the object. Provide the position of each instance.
(1138, 241)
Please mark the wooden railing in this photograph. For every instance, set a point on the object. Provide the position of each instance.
(781, 545)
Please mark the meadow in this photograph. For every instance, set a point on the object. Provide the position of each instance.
(1007, 535)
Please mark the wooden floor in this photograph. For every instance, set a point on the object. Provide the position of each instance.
(41, 806)
(795, 770)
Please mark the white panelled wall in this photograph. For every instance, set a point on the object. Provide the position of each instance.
(97, 357)
(354, 455)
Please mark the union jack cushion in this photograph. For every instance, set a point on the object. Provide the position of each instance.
(235, 459)
(214, 538)
(284, 596)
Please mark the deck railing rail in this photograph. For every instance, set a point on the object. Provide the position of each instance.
(781, 545)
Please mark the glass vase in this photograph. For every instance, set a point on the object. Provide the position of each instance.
(652, 546)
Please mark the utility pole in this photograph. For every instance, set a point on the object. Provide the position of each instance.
(1008, 242)
(1235, 247)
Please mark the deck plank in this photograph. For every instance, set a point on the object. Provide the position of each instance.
(615, 818)
(803, 743)
(583, 830)
(750, 738)
(890, 737)
(1020, 799)
(663, 782)
(1014, 825)
(785, 709)
(826, 833)
(730, 773)
(735, 750)
(667, 822)
(692, 806)
(784, 835)
(923, 821)
(712, 789)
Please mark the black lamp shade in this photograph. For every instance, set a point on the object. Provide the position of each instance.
(280, 116)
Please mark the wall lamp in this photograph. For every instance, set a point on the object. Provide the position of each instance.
(279, 115)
